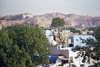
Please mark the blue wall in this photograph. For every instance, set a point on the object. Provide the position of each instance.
(76, 40)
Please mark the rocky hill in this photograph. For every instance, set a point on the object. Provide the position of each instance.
(46, 19)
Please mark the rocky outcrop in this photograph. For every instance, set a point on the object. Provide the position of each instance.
(46, 19)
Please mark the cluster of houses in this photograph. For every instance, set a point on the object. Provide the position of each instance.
(61, 44)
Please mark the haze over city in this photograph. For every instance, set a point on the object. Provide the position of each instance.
(37, 7)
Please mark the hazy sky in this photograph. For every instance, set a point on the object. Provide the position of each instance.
(81, 7)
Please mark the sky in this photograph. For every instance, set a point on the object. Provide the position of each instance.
(38, 7)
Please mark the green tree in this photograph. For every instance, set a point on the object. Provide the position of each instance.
(23, 46)
(57, 22)
(97, 33)
(92, 48)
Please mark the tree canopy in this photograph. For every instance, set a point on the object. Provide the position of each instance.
(57, 22)
(23, 46)
(97, 33)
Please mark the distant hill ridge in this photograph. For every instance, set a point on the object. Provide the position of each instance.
(46, 19)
